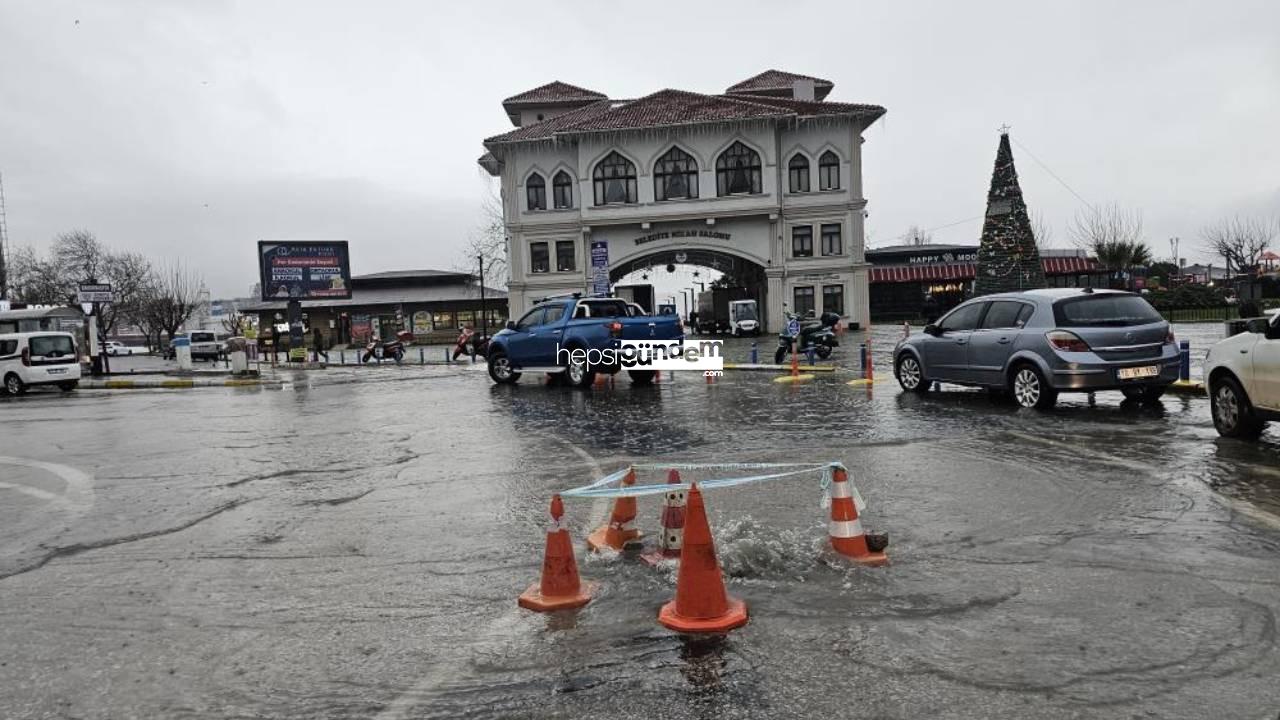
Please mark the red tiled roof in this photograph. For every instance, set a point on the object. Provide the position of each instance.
(812, 107)
(548, 128)
(667, 108)
(778, 80)
(552, 93)
(968, 271)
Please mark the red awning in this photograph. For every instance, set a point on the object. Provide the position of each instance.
(967, 271)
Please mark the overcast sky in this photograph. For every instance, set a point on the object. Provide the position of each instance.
(194, 129)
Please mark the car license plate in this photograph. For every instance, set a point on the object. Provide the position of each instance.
(57, 371)
(1138, 372)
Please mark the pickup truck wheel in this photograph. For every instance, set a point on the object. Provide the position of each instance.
(1233, 414)
(500, 368)
(641, 377)
(578, 375)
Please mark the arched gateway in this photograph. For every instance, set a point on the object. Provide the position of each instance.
(763, 182)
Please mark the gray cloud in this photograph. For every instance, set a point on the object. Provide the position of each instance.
(363, 121)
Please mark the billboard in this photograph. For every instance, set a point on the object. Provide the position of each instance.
(310, 270)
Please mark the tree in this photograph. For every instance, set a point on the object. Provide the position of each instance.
(79, 257)
(1113, 235)
(35, 280)
(1041, 230)
(128, 274)
(1241, 241)
(489, 241)
(916, 236)
(171, 295)
(234, 323)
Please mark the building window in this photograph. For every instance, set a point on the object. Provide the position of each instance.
(828, 171)
(833, 299)
(802, 241)
(539, 258)
(615, 180)
(675, 176)
(831, 243)
(467, 317)
(798, 171)
(562, 190)
(564, 256)
(738, 170)
(535, 189)
(442, 320)
(804, 300)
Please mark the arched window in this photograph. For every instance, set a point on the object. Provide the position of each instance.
(828, 171)
(738, 170)
(535, 189)
(562, 190)
(675, 176)
(615, 180)
(798, 172)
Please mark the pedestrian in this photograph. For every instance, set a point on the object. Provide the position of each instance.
(317, 344)
(275, 345)
(930, 309)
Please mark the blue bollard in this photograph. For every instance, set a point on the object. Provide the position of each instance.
(862, 357)
(755, 356)
(422, 356)
(446, 354)
(1184, 367)
(809, 353)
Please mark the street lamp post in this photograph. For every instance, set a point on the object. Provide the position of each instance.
(484, 316)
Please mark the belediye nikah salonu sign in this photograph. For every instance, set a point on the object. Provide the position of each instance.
(304, 270)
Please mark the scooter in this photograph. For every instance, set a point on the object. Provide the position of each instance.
(384, 350)
(816, 335)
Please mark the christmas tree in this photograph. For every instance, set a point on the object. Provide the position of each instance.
(1007, 257)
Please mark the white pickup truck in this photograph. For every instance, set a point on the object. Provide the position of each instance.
(1243, 379)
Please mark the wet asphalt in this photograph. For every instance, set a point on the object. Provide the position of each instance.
(351, 546)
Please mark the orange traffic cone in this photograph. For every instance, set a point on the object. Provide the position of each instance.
(621, 530)
(701, 604)
(672, 524)
(845, 529)
(560, 588)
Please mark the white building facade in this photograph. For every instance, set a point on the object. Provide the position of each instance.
(763, 182)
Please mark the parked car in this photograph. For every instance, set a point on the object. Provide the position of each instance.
(573, 322)
(204, 346)
(38, 358)
(115, 347)
(1036, 344)
(1243, 374)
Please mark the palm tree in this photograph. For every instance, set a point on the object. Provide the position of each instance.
(1122, 255)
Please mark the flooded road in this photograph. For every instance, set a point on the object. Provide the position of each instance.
(352, 546)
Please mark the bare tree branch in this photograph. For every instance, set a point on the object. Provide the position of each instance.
(489, 240)
(1113, 235)
(1241, 241)
(1041, 230)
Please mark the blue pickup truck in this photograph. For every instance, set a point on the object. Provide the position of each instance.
(532, 343)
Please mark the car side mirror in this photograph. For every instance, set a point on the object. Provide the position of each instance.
(933, 330)
(511, 324)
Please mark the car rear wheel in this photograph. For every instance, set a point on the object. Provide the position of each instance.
(1030, 388)
(14, 385)
(1144, 393)
(1233, 414)
(68, 386)
(500, 368)
(910, 375)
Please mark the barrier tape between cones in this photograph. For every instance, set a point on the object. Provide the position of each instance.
(610, 486)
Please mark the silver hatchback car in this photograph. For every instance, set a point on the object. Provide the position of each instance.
(1037, 343)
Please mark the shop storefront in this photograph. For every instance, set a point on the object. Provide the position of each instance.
(431, 304)
(913, 281)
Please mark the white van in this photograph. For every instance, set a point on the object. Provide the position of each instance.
(38, 358)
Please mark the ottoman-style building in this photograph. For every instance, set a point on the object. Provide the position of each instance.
(763, 182)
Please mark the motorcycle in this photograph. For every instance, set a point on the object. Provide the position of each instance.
(388, 350)
(816, 335)
(479, 344)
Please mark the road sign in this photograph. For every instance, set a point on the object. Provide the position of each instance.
(95, 293)
(793, 327)
(600, 267)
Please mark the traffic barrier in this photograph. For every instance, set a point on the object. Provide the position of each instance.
(845, 529)
(1184, 358)
(621, 530)
(701, 604)
(560, 587)
(673, 517)
(755, 356)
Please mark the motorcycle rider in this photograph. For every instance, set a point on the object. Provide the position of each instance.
(464, 337)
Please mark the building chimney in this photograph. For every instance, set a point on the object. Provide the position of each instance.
(803, 90)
